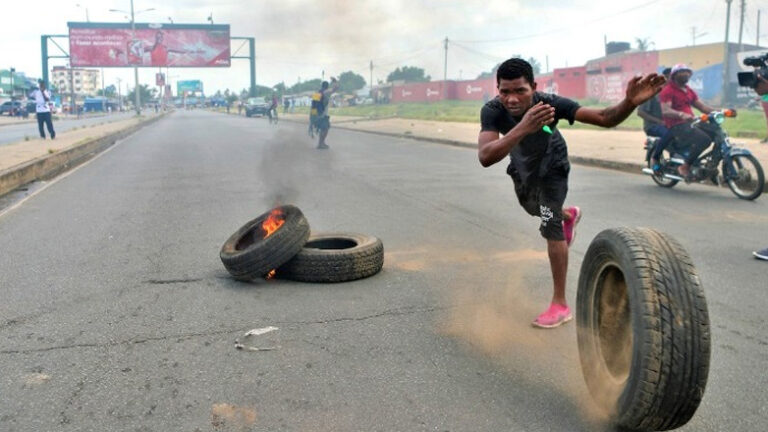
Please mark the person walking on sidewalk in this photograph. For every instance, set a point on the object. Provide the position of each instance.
(538, 155)
(42, 99)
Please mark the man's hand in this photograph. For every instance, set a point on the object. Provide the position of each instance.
(642, 88)
(762, 85)
(536, 117)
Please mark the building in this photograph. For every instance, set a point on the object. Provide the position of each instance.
(604, 79)
(22, 85)
(86, 82)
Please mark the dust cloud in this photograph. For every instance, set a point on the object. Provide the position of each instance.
(495, 321)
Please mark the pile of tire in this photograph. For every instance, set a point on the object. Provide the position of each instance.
(292, 252)
(643, 329)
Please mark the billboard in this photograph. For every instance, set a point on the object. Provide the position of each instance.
(191, 86)
(164, 45)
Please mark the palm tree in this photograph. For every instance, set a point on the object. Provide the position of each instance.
(643, 44)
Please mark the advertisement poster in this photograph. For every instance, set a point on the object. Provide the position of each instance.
(150, 45)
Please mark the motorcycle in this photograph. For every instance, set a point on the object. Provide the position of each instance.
(741, 171)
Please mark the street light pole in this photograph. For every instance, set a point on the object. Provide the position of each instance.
(137, 98)
(12, 89)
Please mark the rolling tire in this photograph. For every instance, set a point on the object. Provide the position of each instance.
(643, 329)
(247, 255)
(335, 257)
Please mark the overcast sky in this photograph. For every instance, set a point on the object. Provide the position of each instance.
(298, 39)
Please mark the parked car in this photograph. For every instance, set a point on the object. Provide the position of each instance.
(13, 107)
(256, 106)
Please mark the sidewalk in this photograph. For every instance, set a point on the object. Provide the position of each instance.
(609, 148)
(24, 161)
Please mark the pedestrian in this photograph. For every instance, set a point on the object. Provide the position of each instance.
(323, 123)
(239, 107)
(761, 254)
(42, 99)
(538, 156)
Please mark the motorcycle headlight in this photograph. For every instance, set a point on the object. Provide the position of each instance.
(719, 118)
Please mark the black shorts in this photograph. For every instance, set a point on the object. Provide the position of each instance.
(544, 199)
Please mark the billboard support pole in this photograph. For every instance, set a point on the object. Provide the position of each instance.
(44, 55)
(252, 53)
(137, 97)
(252, 57)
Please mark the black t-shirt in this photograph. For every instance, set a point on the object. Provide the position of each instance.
(653, 107)
(537, 153)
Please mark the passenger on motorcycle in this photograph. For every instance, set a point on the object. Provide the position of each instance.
(677, 98)
(653, 124)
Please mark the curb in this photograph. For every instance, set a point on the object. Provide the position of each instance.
(53, 164)
(628, 167)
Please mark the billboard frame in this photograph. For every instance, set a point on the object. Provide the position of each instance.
(152, 26)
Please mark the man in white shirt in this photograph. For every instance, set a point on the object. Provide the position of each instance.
(43, 104)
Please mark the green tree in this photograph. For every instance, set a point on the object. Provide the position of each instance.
(145, 93)
(109, 91)
(643, 44)
(408, 74)
(490, 74)
(301, 87)
(535, 65)
(350, 82)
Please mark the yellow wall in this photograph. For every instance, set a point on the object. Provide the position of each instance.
(698, 57)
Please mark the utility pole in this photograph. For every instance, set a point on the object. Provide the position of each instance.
(445, 66)
(547, 61)
(757, 38)
(119, 96)
(73, 104)
(370, 84)
(136, 97)
(103, 93)
(741, 22)
(695, 35)
(727, 58)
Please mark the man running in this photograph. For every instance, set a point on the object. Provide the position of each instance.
(539, 157)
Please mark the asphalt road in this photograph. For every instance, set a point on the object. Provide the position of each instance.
(17, 132)
(117, 313)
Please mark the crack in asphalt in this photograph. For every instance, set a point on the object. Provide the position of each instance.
(171, 281)
(134, 341)
(392, 312)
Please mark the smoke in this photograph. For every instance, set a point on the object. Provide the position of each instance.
(290, 164)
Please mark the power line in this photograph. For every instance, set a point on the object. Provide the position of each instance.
(529, 36)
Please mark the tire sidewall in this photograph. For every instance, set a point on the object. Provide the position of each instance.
(604, 252)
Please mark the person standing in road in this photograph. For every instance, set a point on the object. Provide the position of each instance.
(42, 99)
(538, 155)
(323, 122)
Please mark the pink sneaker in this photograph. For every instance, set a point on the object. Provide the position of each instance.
(569, 226)
(555, 316)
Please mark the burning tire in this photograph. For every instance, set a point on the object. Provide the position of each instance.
(335, 257)
(643, 329)
(265, 243)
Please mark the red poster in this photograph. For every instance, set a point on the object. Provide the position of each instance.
(174, 45)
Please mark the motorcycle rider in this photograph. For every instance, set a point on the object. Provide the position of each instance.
(676, 99)
(653, 124)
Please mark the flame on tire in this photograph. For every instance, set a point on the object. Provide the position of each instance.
(274, 221)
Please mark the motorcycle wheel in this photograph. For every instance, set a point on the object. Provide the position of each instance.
(749, 180)
(660, 180)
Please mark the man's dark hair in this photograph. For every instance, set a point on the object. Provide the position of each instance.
(515, 68)
(324, 85)
(666, 71)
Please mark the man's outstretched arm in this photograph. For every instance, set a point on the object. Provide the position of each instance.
(639, 90)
